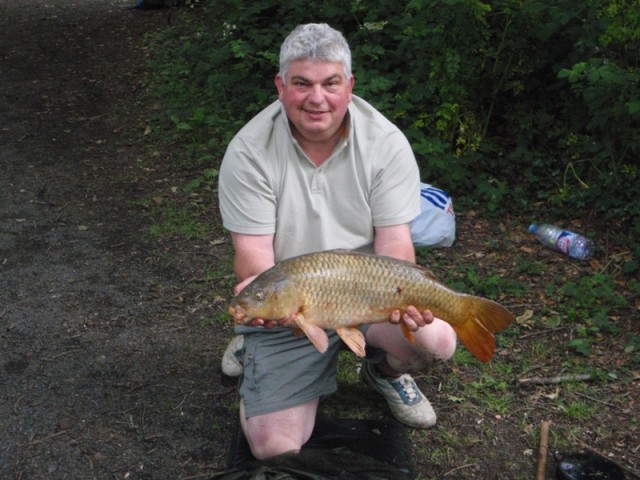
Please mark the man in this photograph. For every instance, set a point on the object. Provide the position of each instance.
(320, 169)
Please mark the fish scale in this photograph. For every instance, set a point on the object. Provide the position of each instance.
(350, 289)
(341, 290)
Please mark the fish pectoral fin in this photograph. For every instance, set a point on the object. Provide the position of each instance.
(315, 334)
(353, 338)
(407, 333)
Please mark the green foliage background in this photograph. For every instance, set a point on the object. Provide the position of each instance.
(506, 103)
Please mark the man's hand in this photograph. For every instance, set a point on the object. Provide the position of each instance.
(239, 287)
(260, 322)
(412, 318)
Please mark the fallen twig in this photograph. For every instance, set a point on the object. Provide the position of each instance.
(542, 332)
(544, 447)
(579, 377)
(453, 470)
(44, 439)
(53, 358)
(16, 403)
(596, 400)
(612, 259)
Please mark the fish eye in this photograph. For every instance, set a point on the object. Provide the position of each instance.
(260, 295)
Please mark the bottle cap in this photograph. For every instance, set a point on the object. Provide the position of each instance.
(533, 227)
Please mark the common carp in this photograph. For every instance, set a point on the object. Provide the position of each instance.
(341, 289)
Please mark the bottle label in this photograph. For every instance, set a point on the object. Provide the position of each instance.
(564, 242)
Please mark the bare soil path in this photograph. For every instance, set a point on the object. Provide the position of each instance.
(104, 372)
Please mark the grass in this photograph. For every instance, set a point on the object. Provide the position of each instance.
(182, 221)
(578, 410)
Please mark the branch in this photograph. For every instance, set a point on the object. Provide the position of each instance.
(544, 446)
(579, 377)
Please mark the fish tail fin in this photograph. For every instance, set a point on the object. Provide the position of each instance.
(483, 318)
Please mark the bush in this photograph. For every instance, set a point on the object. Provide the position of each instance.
(504, 103)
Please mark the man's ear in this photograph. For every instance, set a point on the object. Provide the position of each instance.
(352, 82)
(279, 85)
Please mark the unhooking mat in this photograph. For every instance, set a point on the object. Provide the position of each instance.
(339, 449)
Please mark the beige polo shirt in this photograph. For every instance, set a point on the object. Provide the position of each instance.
(267, 185)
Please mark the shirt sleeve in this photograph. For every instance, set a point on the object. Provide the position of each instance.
(245, 193)
(395, 196)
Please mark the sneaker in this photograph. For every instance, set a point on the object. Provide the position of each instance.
(232, 358)
(405, 399)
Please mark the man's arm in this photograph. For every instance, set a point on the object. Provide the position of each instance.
(395, 241)
(253, 255)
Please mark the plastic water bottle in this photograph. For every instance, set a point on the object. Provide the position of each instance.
(571, 244)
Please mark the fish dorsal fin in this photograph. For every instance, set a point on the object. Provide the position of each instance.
(354, 338)
(428, 273)
(314, 333)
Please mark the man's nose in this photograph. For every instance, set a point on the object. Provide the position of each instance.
(316, 94)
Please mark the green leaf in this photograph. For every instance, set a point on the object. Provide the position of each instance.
(633, 107)
(581, 346)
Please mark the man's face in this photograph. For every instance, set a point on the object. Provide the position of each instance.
(315, 96)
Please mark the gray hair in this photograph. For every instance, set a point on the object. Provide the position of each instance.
(315, 41)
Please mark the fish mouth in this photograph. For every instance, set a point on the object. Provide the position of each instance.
(238, 313)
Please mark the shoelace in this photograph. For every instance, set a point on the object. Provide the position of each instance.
(409, 387)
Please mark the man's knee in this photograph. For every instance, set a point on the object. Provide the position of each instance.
(265, 444)
(436, 342)
(279, 432)
(443, 341)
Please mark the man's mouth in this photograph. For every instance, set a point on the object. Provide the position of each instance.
(316, 112)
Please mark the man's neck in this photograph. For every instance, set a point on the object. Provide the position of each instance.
(319, 151)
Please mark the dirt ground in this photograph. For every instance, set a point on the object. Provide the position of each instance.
(106, 369)
(109, 361)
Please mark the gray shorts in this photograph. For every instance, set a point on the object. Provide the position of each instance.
(282, 370)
